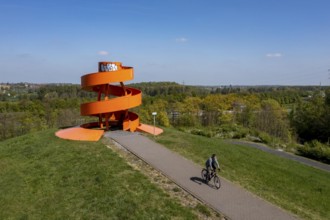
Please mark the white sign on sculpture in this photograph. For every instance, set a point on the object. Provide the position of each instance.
(108, 67)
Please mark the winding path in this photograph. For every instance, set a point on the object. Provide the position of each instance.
(231, 200)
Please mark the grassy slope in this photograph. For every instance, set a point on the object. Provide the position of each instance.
(300, 189)
(44, 177)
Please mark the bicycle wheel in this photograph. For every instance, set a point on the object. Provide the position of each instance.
(217, 182)
(204, 174)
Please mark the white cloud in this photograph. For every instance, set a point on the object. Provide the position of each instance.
(103, 52)
(271, 55)
(181, 40)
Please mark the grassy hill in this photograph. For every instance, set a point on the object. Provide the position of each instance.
(301, 189)
(44, 177)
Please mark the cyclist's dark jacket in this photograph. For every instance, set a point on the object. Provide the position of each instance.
(212, 162)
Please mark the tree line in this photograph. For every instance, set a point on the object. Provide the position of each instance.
(25, 109)
(295, 118)
(275, 115)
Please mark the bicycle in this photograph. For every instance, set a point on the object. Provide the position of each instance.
(212, 174)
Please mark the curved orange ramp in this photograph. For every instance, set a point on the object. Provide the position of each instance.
(150, 129)
(79, 134)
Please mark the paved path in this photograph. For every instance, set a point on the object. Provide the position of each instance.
(231, 200)
(303, 160)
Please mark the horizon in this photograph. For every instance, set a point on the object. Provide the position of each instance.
(221, 42)
(213, 86)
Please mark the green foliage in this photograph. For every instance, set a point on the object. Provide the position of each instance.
(226, 118)
(204, 132)
(169, 89)
(41, 107)
(315, 150)
(187, 120)
(327, 97)
(240, 132)
(162, 119)
(44, 177)
(283, 96)
(272, 119)
(159, 106)
(245, 117)
(278, 114)
(225, 131)
(265, 138)
(203, 209)
(311, 119)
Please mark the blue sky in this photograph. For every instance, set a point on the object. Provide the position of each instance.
(210, 42)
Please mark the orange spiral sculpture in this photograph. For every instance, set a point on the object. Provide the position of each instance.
(111, 111)
(112, 105)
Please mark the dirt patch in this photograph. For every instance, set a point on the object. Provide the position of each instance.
(168, 186)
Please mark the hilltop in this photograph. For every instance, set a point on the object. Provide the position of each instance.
(44, 177)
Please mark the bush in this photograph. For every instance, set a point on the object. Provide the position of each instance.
(232, 131)
(227, 128)
(315, 150)
(265, 138)
(241, 133)
(187, 120)
(204, 133)
(163, 119)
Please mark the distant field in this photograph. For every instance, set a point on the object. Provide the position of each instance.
(44, 177)
(300, 189)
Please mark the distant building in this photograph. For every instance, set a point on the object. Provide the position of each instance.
(4, 87)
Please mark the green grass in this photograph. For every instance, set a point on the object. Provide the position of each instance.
(44, 177)
(301, 189)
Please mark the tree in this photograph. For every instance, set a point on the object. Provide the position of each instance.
(162, 119)
(159, 106)
(311, 119)
(272, 119)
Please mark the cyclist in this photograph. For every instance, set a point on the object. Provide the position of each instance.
(211, 165)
